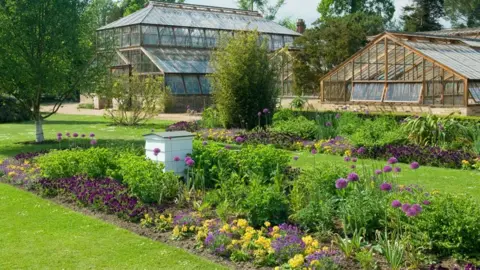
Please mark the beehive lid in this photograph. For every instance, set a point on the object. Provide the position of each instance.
(171, 135)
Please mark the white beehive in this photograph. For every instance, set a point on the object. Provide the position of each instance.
(171, 145)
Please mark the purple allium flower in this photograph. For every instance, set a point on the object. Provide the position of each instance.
(259, 114)
(228, 147)
(414, 165)
(353, 167)
(411, 212)
(426, 202)
(93, 142)
(361, 150)
(59, 138)
(314, 151)
(68, 134)
(75, 135)
(239, 139)
(204, 143)
(341, 183)
(387, 168)
(83, 135)
(337, 116)
(354, 159)
(328, 124)
(417, 207)
(59, 134)
(396, 204)
(295, 158)
(92, 135)
(156, 151)
(386, 186)
(405, 207)
(190, 162)
(377, 172)
(265, 111)
(392, 160)
(187, 158)
(347, 159)
(352, 177)
(397, 169)
(176, 158)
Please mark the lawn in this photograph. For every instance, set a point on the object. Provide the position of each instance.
(431, 178)
(11, 135)
(39, 234)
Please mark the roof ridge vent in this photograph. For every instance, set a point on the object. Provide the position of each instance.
(206, 8)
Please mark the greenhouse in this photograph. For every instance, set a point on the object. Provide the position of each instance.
(176, 40)
(408, 73)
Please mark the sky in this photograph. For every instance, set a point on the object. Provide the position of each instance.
(295, 9)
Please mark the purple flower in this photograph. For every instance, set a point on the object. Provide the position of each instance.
(414, 165)
(156, 151)
(352, 177)
(187, 158)
(93, 142)
(204, 143)
(259, 114)
(361, 150)
(228, 147)
(337, 116)
(239, 139)
(405, 207)
(328, 124)
(341, 183)
(411, 212)
(176, 158)
(347, 159)
(354, 159)
(59, 134)
(190, 162)
(396, 204)
(209, 239)
(83, 135)
(75, 135)
(377, 172)
(68, 134)
(387, 168)
(426, 202)
(386, 187)
(295, 158)
(417, 208)
(392, 160)
(353, 167)
(265, 111)
(92, 135)
(314, 151)
(397, 169)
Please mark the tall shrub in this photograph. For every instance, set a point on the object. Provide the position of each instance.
(244, 81)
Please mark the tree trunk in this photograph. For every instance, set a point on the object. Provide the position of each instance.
(39, 129)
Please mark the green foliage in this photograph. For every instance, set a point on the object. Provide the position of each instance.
(269, 11)
(93, 162)
(146, 179)
(265, 203)
(393, 250)
(329, 8)
(12, 110)
(366, 259)
(448, 224)
(283, 115)
(211, 118)
(423, 15)
(300, 127)
(328, 45)
(432, 130)
(381, 131)
(463, 13)
(297, 103)
(244, 81)
(130, 6)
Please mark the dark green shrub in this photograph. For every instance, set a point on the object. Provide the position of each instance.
(283, 115)
(210, 118)
(297, 126)
(12, 111)
(381, 131)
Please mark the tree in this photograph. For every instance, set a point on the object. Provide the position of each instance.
(104, 12)
(46, 48)
(130, 6)
(463, 13)
(338, 8)
(244, 81)
(268, 11)
(328, 45)
(423, 15)
(288, 23)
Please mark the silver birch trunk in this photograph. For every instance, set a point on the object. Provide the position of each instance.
(39, 130)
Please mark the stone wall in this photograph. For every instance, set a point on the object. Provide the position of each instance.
(316, 104)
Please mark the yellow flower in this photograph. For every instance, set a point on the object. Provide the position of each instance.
(277, 268)
(267, 224)
(176, 231)
(12, 174)
(307, 240)
(242, 223)
(348, 153)
(325, 249)
(465, 162)
(263, 242)
(226, 227)
(192, 228)
(296, 261)
(184, 228)
(435, 192)
(275, 229)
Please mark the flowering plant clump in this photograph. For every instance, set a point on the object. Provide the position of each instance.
(20, 172)
(336, 146)
(185, 225)
(103, 194)
(161, 223)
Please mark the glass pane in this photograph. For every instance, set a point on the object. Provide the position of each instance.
(367, 92)
(182, 37)
(206, 86)
(403, 92)
(175, 83)
(288, 40)
(192, 84)
(166, 36)
(135, 36)
(125, 36)
(150, 35)
(198, 38)
(474, 89)
(211, 38)
(277, 42)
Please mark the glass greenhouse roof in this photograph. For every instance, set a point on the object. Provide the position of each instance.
(196, 16)
(176, 61)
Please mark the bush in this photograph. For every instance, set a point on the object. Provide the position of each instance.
(299, 127)
(191, 126)
(211, 118)
(92, 162)
(381, 131)
(146, 179)
(12, 110)
(244, 81)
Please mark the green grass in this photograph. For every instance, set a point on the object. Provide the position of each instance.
(431, 178)
(12, 134)
(38, 234)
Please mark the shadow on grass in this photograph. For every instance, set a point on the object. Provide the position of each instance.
(22, 147)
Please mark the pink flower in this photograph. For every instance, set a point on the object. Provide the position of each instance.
(341, 183)
(386, 187)
(156, 151)
(176, 158)
(396, 204)
(93, 142)
(190, 162)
